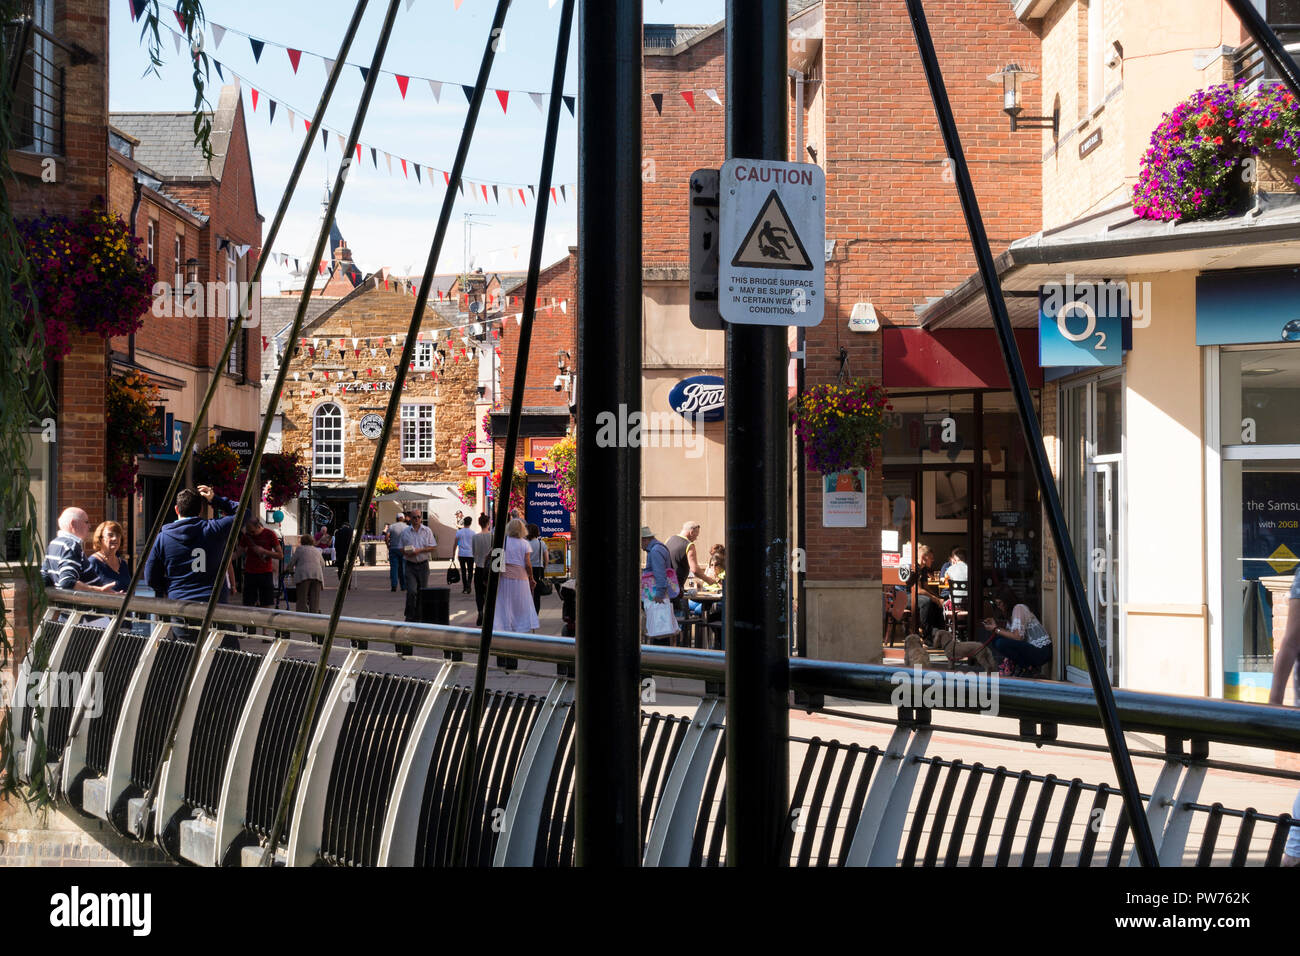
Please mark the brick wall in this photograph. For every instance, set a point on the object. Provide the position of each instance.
(553, 330)
(892, 208)
(372, 314)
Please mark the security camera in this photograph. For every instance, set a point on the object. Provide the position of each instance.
(559, 382)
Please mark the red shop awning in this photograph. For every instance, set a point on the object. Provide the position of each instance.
(954, 358)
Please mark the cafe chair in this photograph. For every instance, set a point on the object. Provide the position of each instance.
(956, 610)
(898, 614)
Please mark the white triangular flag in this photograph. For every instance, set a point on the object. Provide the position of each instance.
(537, 101)
(713, 95)
(329, 65)
(388, 158)
(342, 145)
(293, 119)
(218, 34)
(177, 37)
(435, 88)
(564, 306)
(243, 249)
(519, 318)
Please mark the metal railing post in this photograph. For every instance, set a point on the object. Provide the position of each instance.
(758, 543)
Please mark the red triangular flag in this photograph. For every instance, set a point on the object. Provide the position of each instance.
(321, 266)
(446, 177)
(521, 197)
(503, 96)
(403, 167)
(553, 199)
(689, 97)
(402, 81)
(294, 57)
(254, 89)
(306, 124)
(358, 152)
(484, 188)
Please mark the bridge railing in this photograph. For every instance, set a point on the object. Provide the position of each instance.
(390, 736)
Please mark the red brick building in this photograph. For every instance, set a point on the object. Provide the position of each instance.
(201, 228)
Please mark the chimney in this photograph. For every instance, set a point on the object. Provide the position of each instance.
(342, 254)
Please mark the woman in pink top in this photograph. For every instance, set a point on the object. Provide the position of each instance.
(514, 608)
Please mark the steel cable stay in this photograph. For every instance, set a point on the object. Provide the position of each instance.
(1102, 690)
(250, 485)
(394, 401)
(187, 448)
(469, 768)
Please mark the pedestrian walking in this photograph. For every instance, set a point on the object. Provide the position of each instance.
(342, 541)
(393, 535)
(307, 565)
(261, 547)
(514, 605)
(465, 552)
(419, 546)
(482, 548)
(537, 555)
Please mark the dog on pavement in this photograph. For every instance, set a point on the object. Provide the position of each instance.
(957, 651)
(914, 652)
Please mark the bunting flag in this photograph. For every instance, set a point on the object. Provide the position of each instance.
(537, 101)
(365, 73)
(658, 100)
(358, 152)
(217, 64)
(435, 87)
(137, 8)
(374, 157)
(402, 82)
(469, 93)
(293, 118)
(553, 199)
(570, 102)
(272, 109)
(257, 49)
(254, 89)
(329, 65)
(689, 97)
(218, 34)
(294, 57)
(713, 95)
(504, 97)
(403, 168)
(177, 38)
(417, 171)
(495, 196)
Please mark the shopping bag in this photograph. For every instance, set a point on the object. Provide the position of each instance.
(659, 619)
(453, 573)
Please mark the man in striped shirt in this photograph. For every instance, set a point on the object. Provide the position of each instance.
(64, 565)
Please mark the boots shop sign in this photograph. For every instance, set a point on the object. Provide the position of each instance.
(700, 397)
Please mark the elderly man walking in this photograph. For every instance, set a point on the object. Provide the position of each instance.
(64, 565)
(681, 548)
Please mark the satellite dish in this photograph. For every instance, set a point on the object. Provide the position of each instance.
(476, 306)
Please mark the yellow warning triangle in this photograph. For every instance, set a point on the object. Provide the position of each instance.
(772, 242)
(1282, 560)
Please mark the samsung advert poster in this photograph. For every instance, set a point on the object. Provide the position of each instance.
(1248, 306)
(1270, 523)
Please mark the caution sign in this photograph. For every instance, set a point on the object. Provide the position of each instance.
(772, 243)
(773, 235)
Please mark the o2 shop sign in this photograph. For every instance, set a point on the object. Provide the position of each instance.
(1081, 324)
(700, 397)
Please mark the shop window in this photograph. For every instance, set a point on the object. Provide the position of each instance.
(930, 430)
(1260, 490)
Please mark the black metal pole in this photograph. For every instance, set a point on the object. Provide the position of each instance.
(468, 782)
(1034, 439)
(758, 546)
(399, 381)
(609, 475)
(1269, 44)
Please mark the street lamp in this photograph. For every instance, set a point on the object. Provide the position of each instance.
(1010, 78)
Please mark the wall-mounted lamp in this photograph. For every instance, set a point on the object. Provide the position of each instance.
(1010, 78)
(191, 270)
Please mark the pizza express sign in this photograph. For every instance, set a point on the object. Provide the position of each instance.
(701, 397)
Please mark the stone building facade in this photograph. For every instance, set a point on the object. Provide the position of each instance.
(341, 374)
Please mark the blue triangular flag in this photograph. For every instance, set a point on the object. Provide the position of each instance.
(570, 102)
(217, 64)
(374, 157)
(417, 171)
(257, 49)
(469, 93)
(272, 111)
(365, 72)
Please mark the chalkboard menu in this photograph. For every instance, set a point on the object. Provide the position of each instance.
(1011, 555)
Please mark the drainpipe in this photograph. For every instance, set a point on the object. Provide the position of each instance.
(137, 193)
(801, 471)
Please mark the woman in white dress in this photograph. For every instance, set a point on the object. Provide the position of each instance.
(514, 608)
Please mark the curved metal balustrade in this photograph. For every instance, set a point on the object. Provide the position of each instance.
(390, 737)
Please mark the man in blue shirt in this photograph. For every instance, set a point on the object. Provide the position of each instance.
(185, 560)
(64, 565)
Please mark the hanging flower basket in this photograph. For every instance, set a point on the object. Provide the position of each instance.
(1211, 150)
(129, 411)
(218, 466)
(467, 492)
(467, 446)
(563, 462)
(284, 475)
(518, 487)
(87, 276)
(385, 485)
(841, 424)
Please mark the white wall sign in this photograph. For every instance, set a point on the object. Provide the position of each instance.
(773, 226)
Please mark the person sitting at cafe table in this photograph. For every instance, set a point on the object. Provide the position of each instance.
(714, 574)
(1021, 638)
(929, 605)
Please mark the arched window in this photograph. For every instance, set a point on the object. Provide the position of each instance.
(327, 442)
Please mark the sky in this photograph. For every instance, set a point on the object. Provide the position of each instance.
(387, 220)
